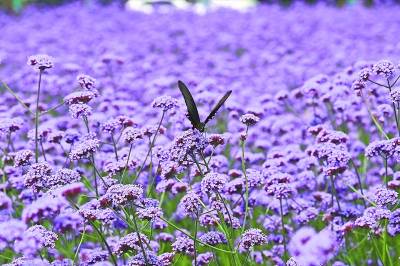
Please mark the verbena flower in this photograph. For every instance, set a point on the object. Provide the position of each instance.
(120, 195)
(250, 238)
(165, 103)
(249, 119)
(40, 61)
(384, 197)
(190, 203)
(84, 149)
(383, 68)
(213, 182)
(130, 135)
(204, 259)
(213, 238)
(130, 242)
(23, 157)
(184, 245)
(86, 82)
(139, 260)
(80, 110)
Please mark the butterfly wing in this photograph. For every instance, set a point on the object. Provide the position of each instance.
(217, 106)
(190, 105)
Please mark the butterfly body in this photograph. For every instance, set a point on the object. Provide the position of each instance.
(193, 113)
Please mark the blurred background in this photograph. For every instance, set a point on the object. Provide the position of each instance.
(16, 6)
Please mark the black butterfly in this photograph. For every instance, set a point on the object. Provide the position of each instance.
(193, 114)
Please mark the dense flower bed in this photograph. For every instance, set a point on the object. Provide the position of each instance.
(100, 165)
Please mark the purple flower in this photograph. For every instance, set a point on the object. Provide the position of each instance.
(213, 238)
(46, 207)
(395, 95)
(184, 245)
(119, 195)
(166, 258)
(249, 119)
(250, 238)
(23, 157)
(130, 135)
(37, 175)
(62, 177)
(384, 196)
(80, 110)
(86, 82)
(204, 259)
(84, 149)
(40, 61)
(139, 260)
(190, 203)
(213, 182)
(79, 97)
(5, 202)
(165, 103)
(310, 248)
(383, 68)
(130, 242)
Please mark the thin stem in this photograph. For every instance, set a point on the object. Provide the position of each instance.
(151, 146)
(334, 194)
(115, 146)
(283, 228)
(195, 237)
(105, 243)
(127, 162)
(52, 109)
(394, 109)
(44, 154)
(376, 83)
(79, 245)
(394, 83)
(17, 98)
(359, 181)
(37, 118)
(385, 161)
(246, 183)
(140, 238)
(197, 240)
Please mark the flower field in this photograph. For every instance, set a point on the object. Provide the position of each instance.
(106, 160)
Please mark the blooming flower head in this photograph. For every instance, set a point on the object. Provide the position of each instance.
(383, 68)
(23, 157)
(165, 103)
(40, 61)
(190, 203)
(249, 119)
(119, 195)
(213, 182)
(395, 95)
(86, 82)
(183, 244)
(80, 110)
(130, 135)
(84, 148)
(130, 242)
(252, 237)
(384, 196)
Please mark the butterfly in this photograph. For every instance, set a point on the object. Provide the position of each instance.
(193, 114)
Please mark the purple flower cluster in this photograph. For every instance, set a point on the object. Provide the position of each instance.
(300, 167)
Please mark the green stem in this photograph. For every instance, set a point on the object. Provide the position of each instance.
(140, 238)
(151, 146)
(283, 229)
(359, 181)
(126, 165)
(37, 118)
(115, 146)
(246, 183)
(195, 238)
(79, 245)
